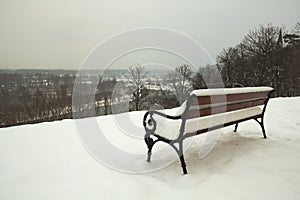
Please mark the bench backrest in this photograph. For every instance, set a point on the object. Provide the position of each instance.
(213, 101)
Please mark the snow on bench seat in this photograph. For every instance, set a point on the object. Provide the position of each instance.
(170, 128)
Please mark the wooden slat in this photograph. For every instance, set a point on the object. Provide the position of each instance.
(202, 100)
(225, 103)
(205, 130)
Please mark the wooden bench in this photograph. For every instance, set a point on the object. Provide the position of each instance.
(212, 109)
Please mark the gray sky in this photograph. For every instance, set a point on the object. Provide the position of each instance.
(55, 34)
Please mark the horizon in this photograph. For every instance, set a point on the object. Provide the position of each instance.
(61, 69)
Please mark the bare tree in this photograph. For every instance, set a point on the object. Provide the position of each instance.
(137, 82)
(181, 80)
(261, 46)
(207, 77)
(297, 28)
(233, 64)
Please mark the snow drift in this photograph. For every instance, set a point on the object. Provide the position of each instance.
(48, 161)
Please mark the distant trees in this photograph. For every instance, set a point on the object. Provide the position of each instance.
(104, 93)
(158, 99)
(291, 70)
(262, 58)
(143, 97)
(232, 63)
(268, 56)
(252, 61)
(32, 98)
(207, 77)
(26, 105)
(262, 46)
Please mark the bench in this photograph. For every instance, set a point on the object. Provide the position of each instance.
(212, 109)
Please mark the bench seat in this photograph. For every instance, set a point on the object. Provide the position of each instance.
(170, 128)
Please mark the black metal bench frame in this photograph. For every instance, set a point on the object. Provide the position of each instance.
(150, 142)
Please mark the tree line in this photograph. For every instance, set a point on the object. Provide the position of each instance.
(268, 56)
(33, 98)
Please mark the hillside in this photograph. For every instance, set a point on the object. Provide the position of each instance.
(48, 161)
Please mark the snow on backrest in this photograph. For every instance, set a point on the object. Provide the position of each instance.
(225, 91)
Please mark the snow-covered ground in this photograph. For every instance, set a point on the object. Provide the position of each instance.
(48, 161)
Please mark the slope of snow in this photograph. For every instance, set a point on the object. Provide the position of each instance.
(48, 161)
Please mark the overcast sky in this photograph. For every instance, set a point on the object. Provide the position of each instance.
(55, 34)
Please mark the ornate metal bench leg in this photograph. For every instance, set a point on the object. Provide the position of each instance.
(261, 123)
(181, 157)
(149, 156)
(263, 129)
(183, 165)
(236, 126)
(149, 142)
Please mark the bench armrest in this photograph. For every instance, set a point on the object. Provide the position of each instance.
(151, 112)
(165, 115)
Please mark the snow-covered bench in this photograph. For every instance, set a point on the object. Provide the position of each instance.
(205, 110)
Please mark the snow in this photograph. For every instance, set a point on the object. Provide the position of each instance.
(223, 91)
(166, 127)
(48, 161)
